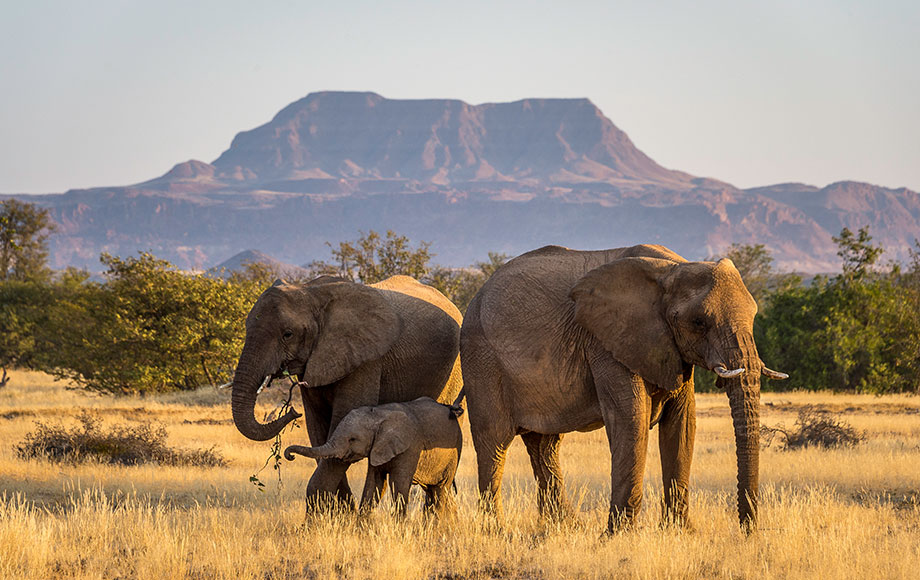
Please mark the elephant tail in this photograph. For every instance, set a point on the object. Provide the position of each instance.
(456, 408)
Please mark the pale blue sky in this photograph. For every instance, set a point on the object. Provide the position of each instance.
(110, 93)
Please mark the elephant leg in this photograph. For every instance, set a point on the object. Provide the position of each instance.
(328, 486)
(439, 500)
(491, 450)
(374, 487)
(544, 459)
(676, 433)
(400, 482)
(490, 419)
(361, 387)
(625, 406)
(317, 406)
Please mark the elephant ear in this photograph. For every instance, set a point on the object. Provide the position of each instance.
(393, 437)
(621, 304)
(357, 325)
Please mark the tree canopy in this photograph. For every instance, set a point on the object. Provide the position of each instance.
(24, 230)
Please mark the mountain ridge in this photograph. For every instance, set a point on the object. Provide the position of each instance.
(468, 178)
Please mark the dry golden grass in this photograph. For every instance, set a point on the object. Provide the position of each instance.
(843, 513)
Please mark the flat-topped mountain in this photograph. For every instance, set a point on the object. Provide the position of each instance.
(504, 177)
(336, 135)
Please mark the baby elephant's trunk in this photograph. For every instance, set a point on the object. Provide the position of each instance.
(313, 452)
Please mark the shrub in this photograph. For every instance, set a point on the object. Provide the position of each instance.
(813, 427)
(149, 328)
(121, 445)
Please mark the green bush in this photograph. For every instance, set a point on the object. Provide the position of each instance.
(857, 331)
(148, 328)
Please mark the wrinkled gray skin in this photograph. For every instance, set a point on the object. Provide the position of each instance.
(351, 345)
(559, 340)
(416, 442)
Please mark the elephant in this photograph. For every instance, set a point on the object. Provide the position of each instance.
(416, 442)
(350, 345)
(560, 340)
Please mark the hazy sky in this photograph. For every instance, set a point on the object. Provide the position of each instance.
(754, 93)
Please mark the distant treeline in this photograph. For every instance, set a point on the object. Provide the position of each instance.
(149, 327)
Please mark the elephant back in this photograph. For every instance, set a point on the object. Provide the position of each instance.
(412, 287)
(435, 327)
(528, 319)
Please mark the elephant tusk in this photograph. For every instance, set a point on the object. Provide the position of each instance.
(265, 383)
(727, 374)
(225, 385)
(771, 374)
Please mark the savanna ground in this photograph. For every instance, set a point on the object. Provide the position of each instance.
(828, 513)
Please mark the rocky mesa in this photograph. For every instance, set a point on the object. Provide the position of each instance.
(503, 177)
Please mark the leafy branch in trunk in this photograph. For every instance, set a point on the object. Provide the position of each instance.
(274, 456)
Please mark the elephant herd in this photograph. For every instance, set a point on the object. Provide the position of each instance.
(555, 341)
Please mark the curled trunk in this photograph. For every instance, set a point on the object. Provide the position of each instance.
(317, 453)
(744, 399)
(246, 383)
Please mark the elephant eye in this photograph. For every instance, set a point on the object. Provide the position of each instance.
(700, 323)
(287, 334)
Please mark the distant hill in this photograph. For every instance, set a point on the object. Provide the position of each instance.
(239, 262)
(504, 177)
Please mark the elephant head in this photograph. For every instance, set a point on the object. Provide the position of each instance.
(660, 317)
(369, 432)
(320, 331)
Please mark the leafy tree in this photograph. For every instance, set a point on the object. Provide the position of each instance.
(755, 264)
(262, 275)
(28, 334)
(857, 331)
(24, 230)
(857, 252)
(462, 284)
(148, 328)
(22, 307)
(371, 258)
(496, 260)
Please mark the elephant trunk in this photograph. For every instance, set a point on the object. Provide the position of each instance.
(744, 399)
(326, 451)
(246, 382)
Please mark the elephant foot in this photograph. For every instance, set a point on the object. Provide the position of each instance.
(681, 524)
(323, 503)
(677, 518)
(621, 521)
(556, 511)
(490, 524)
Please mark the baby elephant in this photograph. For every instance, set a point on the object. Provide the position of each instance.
(415, 442)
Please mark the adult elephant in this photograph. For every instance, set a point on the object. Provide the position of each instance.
(559, 340)
(350, 345)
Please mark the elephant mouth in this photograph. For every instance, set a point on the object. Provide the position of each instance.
(290, 368)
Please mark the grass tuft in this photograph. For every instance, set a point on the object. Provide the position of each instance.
(814, 427)
(119, 445)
